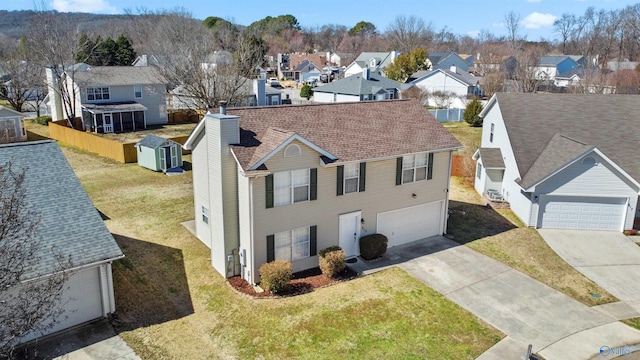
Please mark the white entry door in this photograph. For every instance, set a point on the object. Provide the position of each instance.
(107, 122)
(350, 233)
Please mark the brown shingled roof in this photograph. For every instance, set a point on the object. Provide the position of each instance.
(349, 131)
(607, 122)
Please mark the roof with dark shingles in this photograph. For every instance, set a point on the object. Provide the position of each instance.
(358, 85)
(68, 220)
(492, 158)
(118, 75)
(608, 122)
(349, 131)
(153, 141)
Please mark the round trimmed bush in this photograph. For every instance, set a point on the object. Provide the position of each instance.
(373, 246)
(332, 261)
(276, 275)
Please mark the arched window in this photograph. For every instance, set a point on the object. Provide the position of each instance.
(590, 161)
(292, 150)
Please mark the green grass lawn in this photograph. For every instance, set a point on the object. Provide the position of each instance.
(498, 233)
(172, 304)
(469, 136)
(635, 322)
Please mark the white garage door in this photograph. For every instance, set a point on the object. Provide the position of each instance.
(412, 223)
(566, 212)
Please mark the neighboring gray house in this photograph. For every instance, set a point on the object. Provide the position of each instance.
(456, 83)
(447, 60)
(114, 98)
(71, 227)
(255, 92)
(375, 61)
(11, 126)
(286, 182)
(558, 160)
(368, 85)
(159, 154)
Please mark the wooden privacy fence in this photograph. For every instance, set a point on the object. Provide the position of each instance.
(121, 152)
(184, 116)
(460, 168)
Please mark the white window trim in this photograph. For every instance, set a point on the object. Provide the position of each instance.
(291, 187)
(292, 150)
(205, 215)
(93, 93)
(345, 178)
(491, 133)
(415, 168)
(291, 245)
(135, 92)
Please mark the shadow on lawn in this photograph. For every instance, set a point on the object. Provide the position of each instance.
(469, 222)
(150, 284)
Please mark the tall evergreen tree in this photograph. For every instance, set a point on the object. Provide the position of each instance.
(125, 54)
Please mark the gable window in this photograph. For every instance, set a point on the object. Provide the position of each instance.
(351, 178)
(292, 245)
(288, 187)
(415, 167)
(205, 215)
(491, 133)
(137, 91)
(590, 161)
(292, 150)
(98, 93)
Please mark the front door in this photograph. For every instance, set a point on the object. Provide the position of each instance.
(350, 233)
(107, 122)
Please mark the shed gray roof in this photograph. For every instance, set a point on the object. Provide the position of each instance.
(607, 122)
(118, 75)
(492, 158)
(154, 141)
(68, 220)
(358, 85)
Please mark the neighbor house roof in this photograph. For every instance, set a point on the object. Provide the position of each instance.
(343, 131)
(464, 78)
(358, 85)
(544, 127)
(114, 107)
(69, 223)
(552, 60)
(306, 66)
(7, 111)
(118, 75)
(383, 59)
(153, 141)
(492, 158)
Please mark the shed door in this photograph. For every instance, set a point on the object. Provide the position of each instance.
(573, 212)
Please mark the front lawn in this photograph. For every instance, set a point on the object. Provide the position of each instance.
(468, 135)
(498, 233)
(172, 304)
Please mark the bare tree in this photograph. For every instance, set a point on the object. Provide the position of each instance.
(442, 99)
(25, 78)
(407, 33)
(525, 73)
(564, 27)
(493, 83)
(30, 301)
(512, 23)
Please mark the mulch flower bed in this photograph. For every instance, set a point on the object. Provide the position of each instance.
(301, 283)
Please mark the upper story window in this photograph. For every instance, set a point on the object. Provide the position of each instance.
(137, 91)
(291, 187)
(414, 167)
(491, 133)
(351, 178)
(292, 150)
(98, 93)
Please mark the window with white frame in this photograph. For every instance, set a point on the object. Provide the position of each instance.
(205, 215)
(292, 150)
(479, 171)
(491, 133)
(417, 167)
(292, 245)
(351, 177)
(137, 91)
(389, 95)
(98, 93)
(291, 187)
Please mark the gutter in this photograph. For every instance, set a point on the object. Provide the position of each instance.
(74, 269)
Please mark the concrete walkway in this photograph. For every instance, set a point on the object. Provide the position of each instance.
(527, 311)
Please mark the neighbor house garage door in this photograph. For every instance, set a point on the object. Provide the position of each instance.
(412, 223)
(566, 212)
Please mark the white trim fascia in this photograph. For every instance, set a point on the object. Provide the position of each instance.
(390, 156)
(287, 142)
(188, 145)
(581, 156)
(488, 107)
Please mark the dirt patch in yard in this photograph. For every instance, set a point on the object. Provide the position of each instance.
(302, 282)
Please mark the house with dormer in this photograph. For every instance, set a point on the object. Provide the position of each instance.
(375, 61)
(284, 182)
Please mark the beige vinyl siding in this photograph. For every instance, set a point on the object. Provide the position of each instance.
(201, 189)
(381, 195)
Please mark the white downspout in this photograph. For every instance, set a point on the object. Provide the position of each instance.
(251, 234)
(446, 203)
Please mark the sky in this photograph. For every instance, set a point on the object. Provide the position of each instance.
(459, 17)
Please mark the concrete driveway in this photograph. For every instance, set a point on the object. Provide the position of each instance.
(527, 311)
(610, 259)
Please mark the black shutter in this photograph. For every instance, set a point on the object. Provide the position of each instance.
(268, 181)
(363, 173)
(313, 179)
(399, 171)
(271, 252)
(313, 240)
(430, 167)
(340, 181)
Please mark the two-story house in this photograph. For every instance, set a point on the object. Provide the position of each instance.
(373, 60)
(285, 182)
(456, 83)
(114, 98)
(446, 60)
